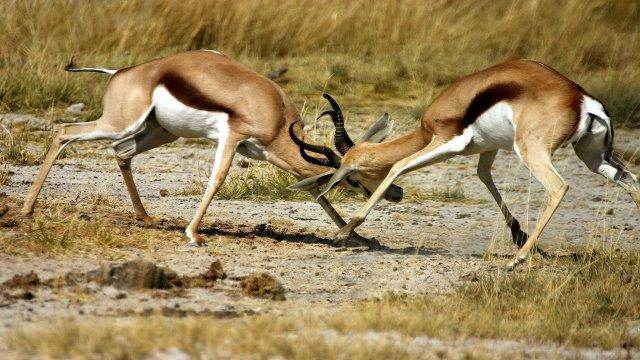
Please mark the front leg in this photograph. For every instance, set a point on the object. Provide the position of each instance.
(346, 231)
(433, 153)
(337, 219)
(362, 213)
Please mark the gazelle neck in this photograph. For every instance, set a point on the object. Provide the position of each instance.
(376, 159)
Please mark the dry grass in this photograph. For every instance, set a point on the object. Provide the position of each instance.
(259, 182)
(22, 146)
(5, 177)
(262, 337)
(394, 53)
(264, 182)
(590, 299)
(63, 230)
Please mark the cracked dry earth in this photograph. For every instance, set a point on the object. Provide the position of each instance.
(427, 246)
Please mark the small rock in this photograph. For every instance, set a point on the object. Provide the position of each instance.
(272, 75)
(25, 295)
(215, 271)
(609, 212)
(135, 274)
(264, 286)
(22, 280)
(169, 354)
(76, 109)
(164, 192)
(473, 277)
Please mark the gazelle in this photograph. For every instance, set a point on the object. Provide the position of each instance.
(198, 94)
(519, 105)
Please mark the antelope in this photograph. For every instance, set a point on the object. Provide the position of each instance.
(519, 105)
(199, 94)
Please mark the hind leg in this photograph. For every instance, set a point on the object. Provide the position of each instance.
(484, 173)
(541, 167)
(67, 134)
(151, 137)
(594, 149)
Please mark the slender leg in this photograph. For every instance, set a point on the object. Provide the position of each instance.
(125, 169)
(484, 173)
(324, 203)
(66, 135)
(328, 208)
(337, 219)
(224, 155)
(544, 171)
(151, 137)
(435, 152)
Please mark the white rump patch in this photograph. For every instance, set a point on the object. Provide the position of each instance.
(492, 130)
(588, 108)
(184, 121)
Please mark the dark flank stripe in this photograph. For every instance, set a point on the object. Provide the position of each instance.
(189, 95)
(489, 97)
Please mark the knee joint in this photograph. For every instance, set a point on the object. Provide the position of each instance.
(123, 162)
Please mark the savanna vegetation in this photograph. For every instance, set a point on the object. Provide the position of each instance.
(394, 55)
(374, 56)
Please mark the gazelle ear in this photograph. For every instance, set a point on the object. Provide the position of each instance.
(311, 182)
(342, 173)
(378, 131)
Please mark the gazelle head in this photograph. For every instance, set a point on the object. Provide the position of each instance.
(346, 171)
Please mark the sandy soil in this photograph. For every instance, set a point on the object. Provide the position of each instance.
(426, 247)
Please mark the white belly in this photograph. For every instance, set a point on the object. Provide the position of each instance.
(185, 121)
(494, 129)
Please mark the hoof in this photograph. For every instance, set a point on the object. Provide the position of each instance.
(515, 262)
(148, 221)
(342, 236)
(519, 237)
(195, 245)
(195, 239)
(26, 212)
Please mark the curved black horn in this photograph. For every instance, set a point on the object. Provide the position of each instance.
(332, 160)
(341, 139)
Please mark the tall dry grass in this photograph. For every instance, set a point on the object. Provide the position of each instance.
(374, 52)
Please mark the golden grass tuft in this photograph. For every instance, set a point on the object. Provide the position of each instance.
(5, 176)
(22, 146)
(590, 298)
(260, 181)
(63, 230)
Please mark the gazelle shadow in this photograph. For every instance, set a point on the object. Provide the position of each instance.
(299, 235)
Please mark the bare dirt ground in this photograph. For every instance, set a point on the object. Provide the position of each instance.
(426, 247)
